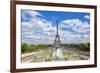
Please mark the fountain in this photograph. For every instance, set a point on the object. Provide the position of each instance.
(58, 54)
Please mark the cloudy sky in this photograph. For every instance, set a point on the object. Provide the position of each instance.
(39, 27)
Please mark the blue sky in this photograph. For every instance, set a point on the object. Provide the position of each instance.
(39, 27)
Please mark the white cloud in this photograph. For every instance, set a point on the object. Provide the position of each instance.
(67, 23)
(70, 37)
(28, 15)
(75, 38)
(87, 16)
(71, 22)
(76, 25)
(48, 32)
(81, 28)
(37, 30)
(33, 13)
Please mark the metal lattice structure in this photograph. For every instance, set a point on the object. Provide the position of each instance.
(57, 42)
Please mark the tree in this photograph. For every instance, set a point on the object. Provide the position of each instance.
(24, 48)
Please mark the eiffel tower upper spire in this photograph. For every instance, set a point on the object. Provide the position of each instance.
(57, 28)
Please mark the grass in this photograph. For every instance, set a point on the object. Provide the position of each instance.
(71, 56)
(43, 57)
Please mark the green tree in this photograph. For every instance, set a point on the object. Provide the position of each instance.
(24, 48)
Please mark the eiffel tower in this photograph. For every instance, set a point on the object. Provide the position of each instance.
(57, 46)
(57, 42)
